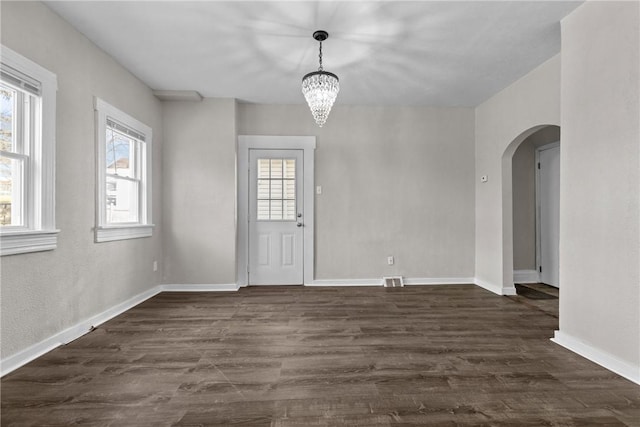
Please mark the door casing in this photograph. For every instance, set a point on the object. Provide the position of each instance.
(249, 142)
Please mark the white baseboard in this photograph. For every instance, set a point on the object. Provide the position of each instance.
(509, 290)
(346, 282)
(496, 289)
(407, 281)
(488, 286)
(227, 287)
(25, 356)
(602, 358)
(415, 281)
(526, 276)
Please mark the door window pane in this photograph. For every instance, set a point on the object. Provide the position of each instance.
(290, 190)
(276, 209)
(276, 168)
(289, 169)
(263, 168)
(276, 190)
(289, 209)
(263, 209)
(263, 189)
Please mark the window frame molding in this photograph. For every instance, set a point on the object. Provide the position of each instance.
(40, 234)
(111, 232)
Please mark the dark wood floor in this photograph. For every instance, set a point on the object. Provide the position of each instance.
(547, 306)
(296, 356)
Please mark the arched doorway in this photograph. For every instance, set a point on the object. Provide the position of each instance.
(521, 257)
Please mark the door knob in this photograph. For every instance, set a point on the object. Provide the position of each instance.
(299, 224)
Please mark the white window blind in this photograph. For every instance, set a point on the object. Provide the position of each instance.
(20, 80)
(276, 190)
(124, 129)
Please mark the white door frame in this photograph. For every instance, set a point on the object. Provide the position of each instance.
(248, 142)
(538, 204)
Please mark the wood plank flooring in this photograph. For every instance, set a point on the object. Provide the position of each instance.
(303, 356)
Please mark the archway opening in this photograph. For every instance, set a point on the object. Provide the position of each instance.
(536, 218)
(521, 230)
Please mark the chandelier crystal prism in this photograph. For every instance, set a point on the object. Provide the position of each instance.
(320, 88)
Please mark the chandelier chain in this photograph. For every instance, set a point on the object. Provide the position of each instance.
(320, 57)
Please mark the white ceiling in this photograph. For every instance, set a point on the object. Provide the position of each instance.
(444, 53)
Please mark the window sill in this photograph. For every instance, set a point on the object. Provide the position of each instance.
(110, 234)
(22, 242)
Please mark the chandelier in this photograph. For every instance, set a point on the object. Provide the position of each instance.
(320, 88)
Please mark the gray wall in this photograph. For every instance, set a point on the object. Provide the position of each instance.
(200, 191)
(502, 123)
(600, 191)
(44, 293)
(524, 197)
(396, 181)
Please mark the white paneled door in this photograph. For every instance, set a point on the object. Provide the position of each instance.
(276, 217)
(549, 188)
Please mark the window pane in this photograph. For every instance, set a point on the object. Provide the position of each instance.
(276, 209)
(276, 189)
(11, 184)
(276, 168)
(263, 189)
(289, 189)
(290, 168)
(7, 118)
(289, 210)
(122, 201)
(121, 154)
(263, 168)
(263, 210)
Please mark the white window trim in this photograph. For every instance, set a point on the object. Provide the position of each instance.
(42, 234)
(106, 232)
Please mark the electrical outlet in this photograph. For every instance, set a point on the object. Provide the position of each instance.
(319, 189)
(155, 265)
(390, 260)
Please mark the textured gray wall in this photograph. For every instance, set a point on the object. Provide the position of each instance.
(501, 121)
(200, 191)
(46, 292)
(396, 181)
(600, 186)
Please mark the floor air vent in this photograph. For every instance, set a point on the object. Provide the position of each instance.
(392, 282)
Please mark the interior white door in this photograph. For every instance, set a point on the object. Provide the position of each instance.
(276, 217)
(549, 180)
